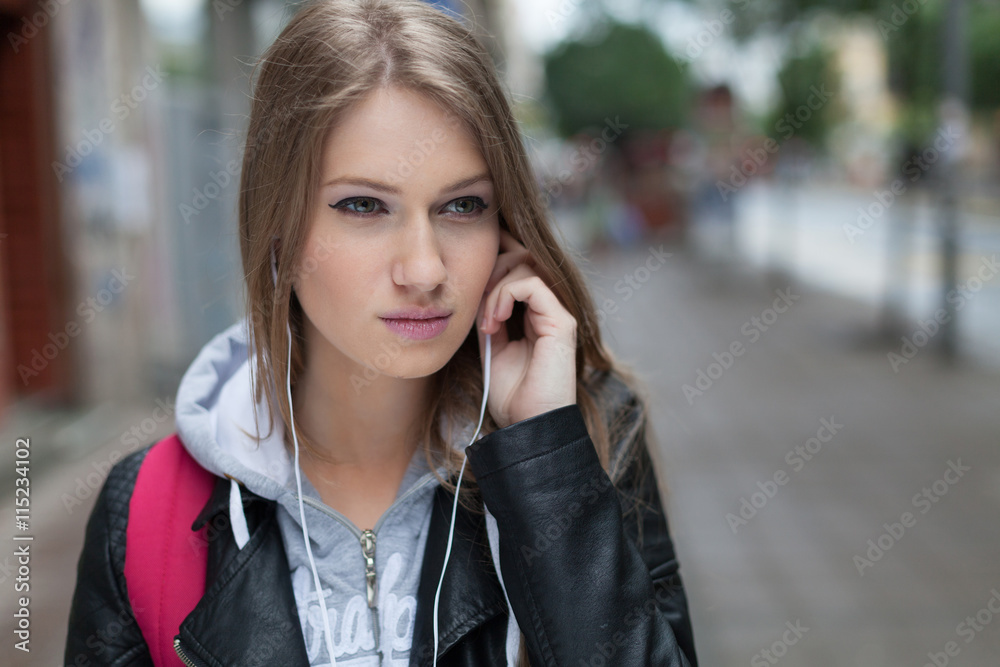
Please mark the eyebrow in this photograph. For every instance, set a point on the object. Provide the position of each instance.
(393, 190)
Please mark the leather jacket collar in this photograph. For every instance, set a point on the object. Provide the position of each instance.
(226, 627)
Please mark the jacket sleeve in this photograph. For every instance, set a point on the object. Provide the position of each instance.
(582, 590)
(102, 628)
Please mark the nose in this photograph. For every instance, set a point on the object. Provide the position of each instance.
(419, 262)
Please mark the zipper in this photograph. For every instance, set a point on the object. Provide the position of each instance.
(182, 655)
(368, 551)
(367, 539)
(329, 511)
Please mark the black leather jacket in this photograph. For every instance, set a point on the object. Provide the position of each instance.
(582, 592)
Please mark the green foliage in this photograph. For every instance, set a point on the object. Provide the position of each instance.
(916, 60)
(618, 70)
(755, 15)
(984, 46)
(914, 50)
(805, 80)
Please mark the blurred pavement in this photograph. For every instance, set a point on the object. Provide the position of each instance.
(793, 559)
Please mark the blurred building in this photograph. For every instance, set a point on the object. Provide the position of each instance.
(119, 169)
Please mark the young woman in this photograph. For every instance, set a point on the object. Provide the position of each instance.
(392, 486)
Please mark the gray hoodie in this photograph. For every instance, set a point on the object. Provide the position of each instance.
(215, 414)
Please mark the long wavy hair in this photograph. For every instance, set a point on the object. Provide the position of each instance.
(331, 55)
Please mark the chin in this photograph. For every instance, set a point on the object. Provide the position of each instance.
(408, 360)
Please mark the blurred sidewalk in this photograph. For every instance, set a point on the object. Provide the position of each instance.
(71, 452)
(792, 561)
(843, 239)
(827, 444)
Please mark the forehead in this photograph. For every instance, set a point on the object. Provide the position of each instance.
(401, 136)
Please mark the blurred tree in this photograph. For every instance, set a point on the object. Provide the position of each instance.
(807, 82)
(984, 45)
(915, 54)
(752, 16)
(616, 70)
(912, 31)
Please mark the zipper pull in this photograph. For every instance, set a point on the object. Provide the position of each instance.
(368, 549)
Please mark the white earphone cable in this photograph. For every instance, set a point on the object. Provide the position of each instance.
(302, 512)
(298, 480)
(454, 507)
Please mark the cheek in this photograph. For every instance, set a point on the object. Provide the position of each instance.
(332, 283)
(475, 261)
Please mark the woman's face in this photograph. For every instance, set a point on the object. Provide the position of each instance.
(399, 233)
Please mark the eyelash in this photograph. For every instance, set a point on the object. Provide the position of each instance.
(344, 203)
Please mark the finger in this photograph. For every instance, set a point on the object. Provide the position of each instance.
(505, 264)
(519, 271)
(547, 315)
(498, 340)
(511, 254)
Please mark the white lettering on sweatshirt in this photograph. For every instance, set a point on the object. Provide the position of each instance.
(353, 639)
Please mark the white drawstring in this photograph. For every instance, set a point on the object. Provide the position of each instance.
(238, 518)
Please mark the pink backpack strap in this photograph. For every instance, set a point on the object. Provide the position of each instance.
(165, 574)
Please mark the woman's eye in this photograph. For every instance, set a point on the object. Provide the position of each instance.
(464, 207)
(364, 206)
(468, 206)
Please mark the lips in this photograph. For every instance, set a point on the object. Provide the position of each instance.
(423, 328)
(415, 314)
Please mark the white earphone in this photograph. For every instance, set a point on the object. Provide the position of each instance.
(298, 481)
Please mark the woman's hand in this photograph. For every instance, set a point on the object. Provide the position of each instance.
(537, 373)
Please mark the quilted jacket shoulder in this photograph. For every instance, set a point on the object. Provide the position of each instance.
(103, 607)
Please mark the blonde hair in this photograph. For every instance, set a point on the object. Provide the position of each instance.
(331, 55)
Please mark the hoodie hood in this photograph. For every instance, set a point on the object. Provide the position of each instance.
(216, 418)
(216, 421)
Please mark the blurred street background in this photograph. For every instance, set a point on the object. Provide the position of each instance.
(789, 214)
